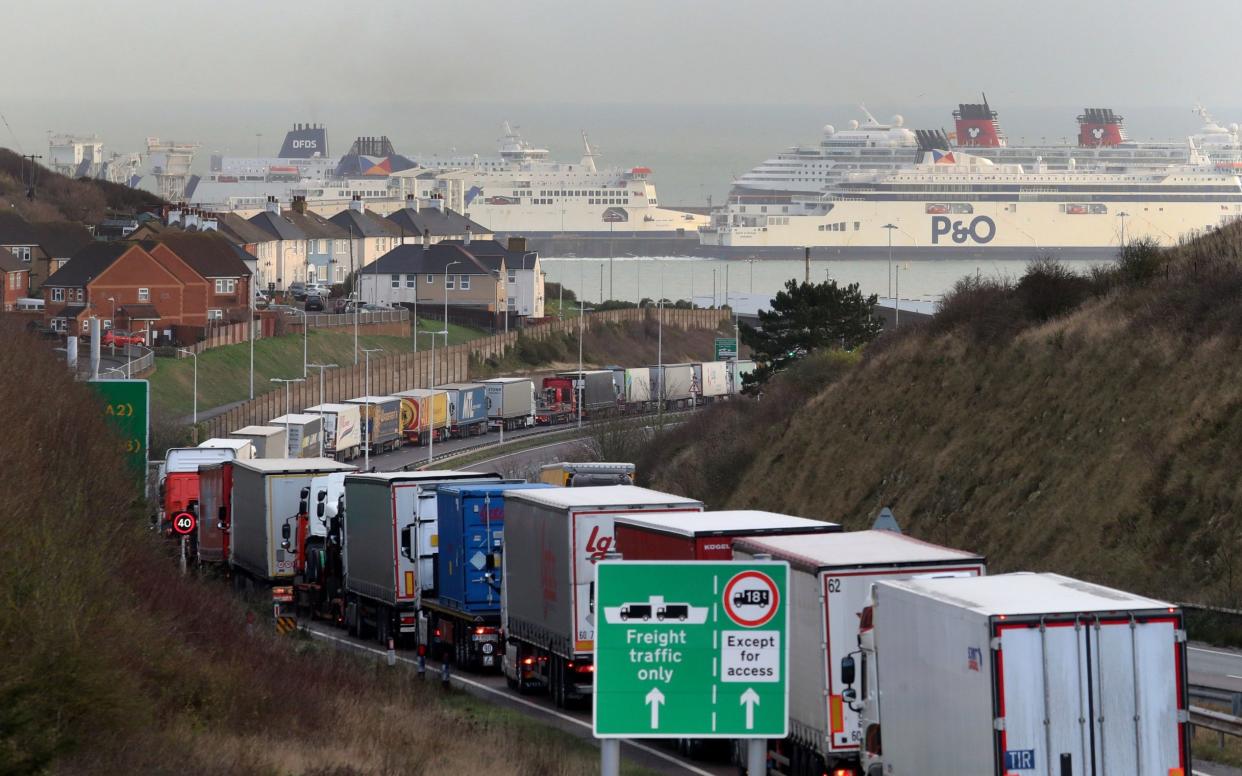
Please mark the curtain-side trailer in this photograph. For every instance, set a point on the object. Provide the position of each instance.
(467, 408)
(268, 441)
(342, 430)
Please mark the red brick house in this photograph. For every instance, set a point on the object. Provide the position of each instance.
(16, 276)
(217, 279)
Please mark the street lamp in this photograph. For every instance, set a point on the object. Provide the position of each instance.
(1123, 215)
(751, 262)
(366, 427)
(580, 390)
(250, 330)
(112, 299)
(431, 434)
(322, 432)
(890, 228)
(305, 337)
(286, 381)
(195, 355)
(660, 344)
(446, 277)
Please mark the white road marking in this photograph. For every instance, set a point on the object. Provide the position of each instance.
(1232, 676)
(541, 709)
(1215, 652)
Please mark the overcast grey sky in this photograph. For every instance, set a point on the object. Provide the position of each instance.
(1022, 52)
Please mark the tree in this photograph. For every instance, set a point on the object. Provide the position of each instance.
(804, 318)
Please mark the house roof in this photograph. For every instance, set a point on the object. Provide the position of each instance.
(432, 261)
(365, 224)
(277, 226)
(15, 230)
(315, 226)
(240, 230)
(139, 312)
(62, 239)
(69, 311)
(10, 263)
(513, 259)
(440, 223)
(209, 254)
(88, 263)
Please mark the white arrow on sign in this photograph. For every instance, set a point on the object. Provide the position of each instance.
(655, 699)
(750, 699)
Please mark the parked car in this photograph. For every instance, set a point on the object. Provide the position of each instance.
(314, 303)
(261, 299)
(322, 289)
(297, 289)
(120, 337)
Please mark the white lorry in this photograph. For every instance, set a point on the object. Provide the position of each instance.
(1019, 675)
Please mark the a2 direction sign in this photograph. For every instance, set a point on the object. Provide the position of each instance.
(696, 650)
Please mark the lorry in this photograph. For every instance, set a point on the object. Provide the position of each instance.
(179, 486)
(830, 576)
(1022, 673)
(510, 402)
(381, 422)
(593, 387)
(463, 618)
(709, 536)
(215, 500)
(243, 449)
(391, 543)
(268, 507)
(303, 432)
(467, 408)
(342, 430)
(673, 384)
(268, 441)
(553, 538)
(578, 475)
(636, 392)
(711, 381)
(736, 371)
(424, 415)
(555, 403)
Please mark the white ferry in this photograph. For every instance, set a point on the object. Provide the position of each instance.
(953, 203)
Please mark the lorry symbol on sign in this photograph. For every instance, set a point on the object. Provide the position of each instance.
(760, 598)
(751, 599)
(657, 606)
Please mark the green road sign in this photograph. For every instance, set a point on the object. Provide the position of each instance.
(127, 408)
(726, 348)
(691, 650)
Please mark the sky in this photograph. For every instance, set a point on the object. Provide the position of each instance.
(695, 84)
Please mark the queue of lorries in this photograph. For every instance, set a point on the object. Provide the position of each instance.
(905, 657)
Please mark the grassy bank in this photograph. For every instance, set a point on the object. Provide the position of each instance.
(115, 663)
(224, 372)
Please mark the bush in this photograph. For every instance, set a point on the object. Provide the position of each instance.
(1049, 289)
(983, 308)
(1141, 261)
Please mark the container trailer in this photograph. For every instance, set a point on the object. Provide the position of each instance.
(736, 371)
(391, 542)
(709, 536)
(463, 618)
(303, 434)
(1031, 674)
(342, 430)
(467, 408)
(711, 380)
(673, 384)
(424, 414)
(381, 422)
(579, 475)
(831, 575)
(268, 441)
(594, 388)
(243, 449)
(636, 390)
(510, 402)
(553, 537)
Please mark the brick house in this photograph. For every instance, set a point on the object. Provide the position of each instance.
(58, 241)
(216, 278)
(16, 275)
(425, 274)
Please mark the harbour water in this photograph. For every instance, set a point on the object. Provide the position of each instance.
(631, 278)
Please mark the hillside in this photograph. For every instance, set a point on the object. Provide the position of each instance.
(60, 198)
(1103, 442)
(115, 663)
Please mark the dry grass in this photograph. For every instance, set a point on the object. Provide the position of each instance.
(114, 663)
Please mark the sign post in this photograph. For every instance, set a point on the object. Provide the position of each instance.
(127, 408)
(691, 650)
(726, 349)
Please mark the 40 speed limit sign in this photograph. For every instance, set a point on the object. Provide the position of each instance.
(184, 523)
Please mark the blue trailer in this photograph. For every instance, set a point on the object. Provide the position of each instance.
(462, 621)
(467, 407)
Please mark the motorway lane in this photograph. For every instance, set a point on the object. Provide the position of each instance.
(492, 688)
(417, 456)
(1217, 667)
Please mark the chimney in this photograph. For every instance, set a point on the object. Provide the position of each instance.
(436, 203)
(190, 220)
(209, 223)
(517, 244)
(174, 217)
(426, 239)
(273, 206)
(411, 202)
(356, 203)
(467, 240)
(299, 204)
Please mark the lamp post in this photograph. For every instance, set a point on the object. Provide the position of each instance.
(431, 434)
(446, 277)
(354, 295)
(286, 381)
(305, 338)
(250, 331)
(195, 355)
(751, 262)
(890, 228)
(660, 345)
(579, 389)
(112, 299)
(1123, 215)
(322, 432)
(366, 427)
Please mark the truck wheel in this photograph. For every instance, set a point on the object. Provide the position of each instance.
(558, 682)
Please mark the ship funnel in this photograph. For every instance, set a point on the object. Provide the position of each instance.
(976, 126)
(1098, 127)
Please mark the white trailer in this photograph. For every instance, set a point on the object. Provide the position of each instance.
(268, 441)
(303, 430)
(1023, 674)
(243, 449)
(342, 430)
(637, 388)
(713, 380)
(831, 575)
(510, 402)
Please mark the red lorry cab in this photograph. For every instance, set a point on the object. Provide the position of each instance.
(705, 536)
(180, 486)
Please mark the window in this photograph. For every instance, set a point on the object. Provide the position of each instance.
(396, 281)
(411, 281)
(448, 281)
(431, 279)
(323, 246)
(465, 282)
(144, 294)
(107, 323)
(21, 251)
(80, 294)
(86, 325)
(215, 315)
(58, 294)
(513, 276)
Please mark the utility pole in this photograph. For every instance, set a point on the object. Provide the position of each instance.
(34, 174)
(580, 388)
(890, 228)
(355, 286)
(806, 258)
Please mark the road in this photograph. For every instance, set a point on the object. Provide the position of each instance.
(492, 688)
(1216, 667)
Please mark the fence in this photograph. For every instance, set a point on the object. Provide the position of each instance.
(231, 334)
(333, 320)
(402, 371)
